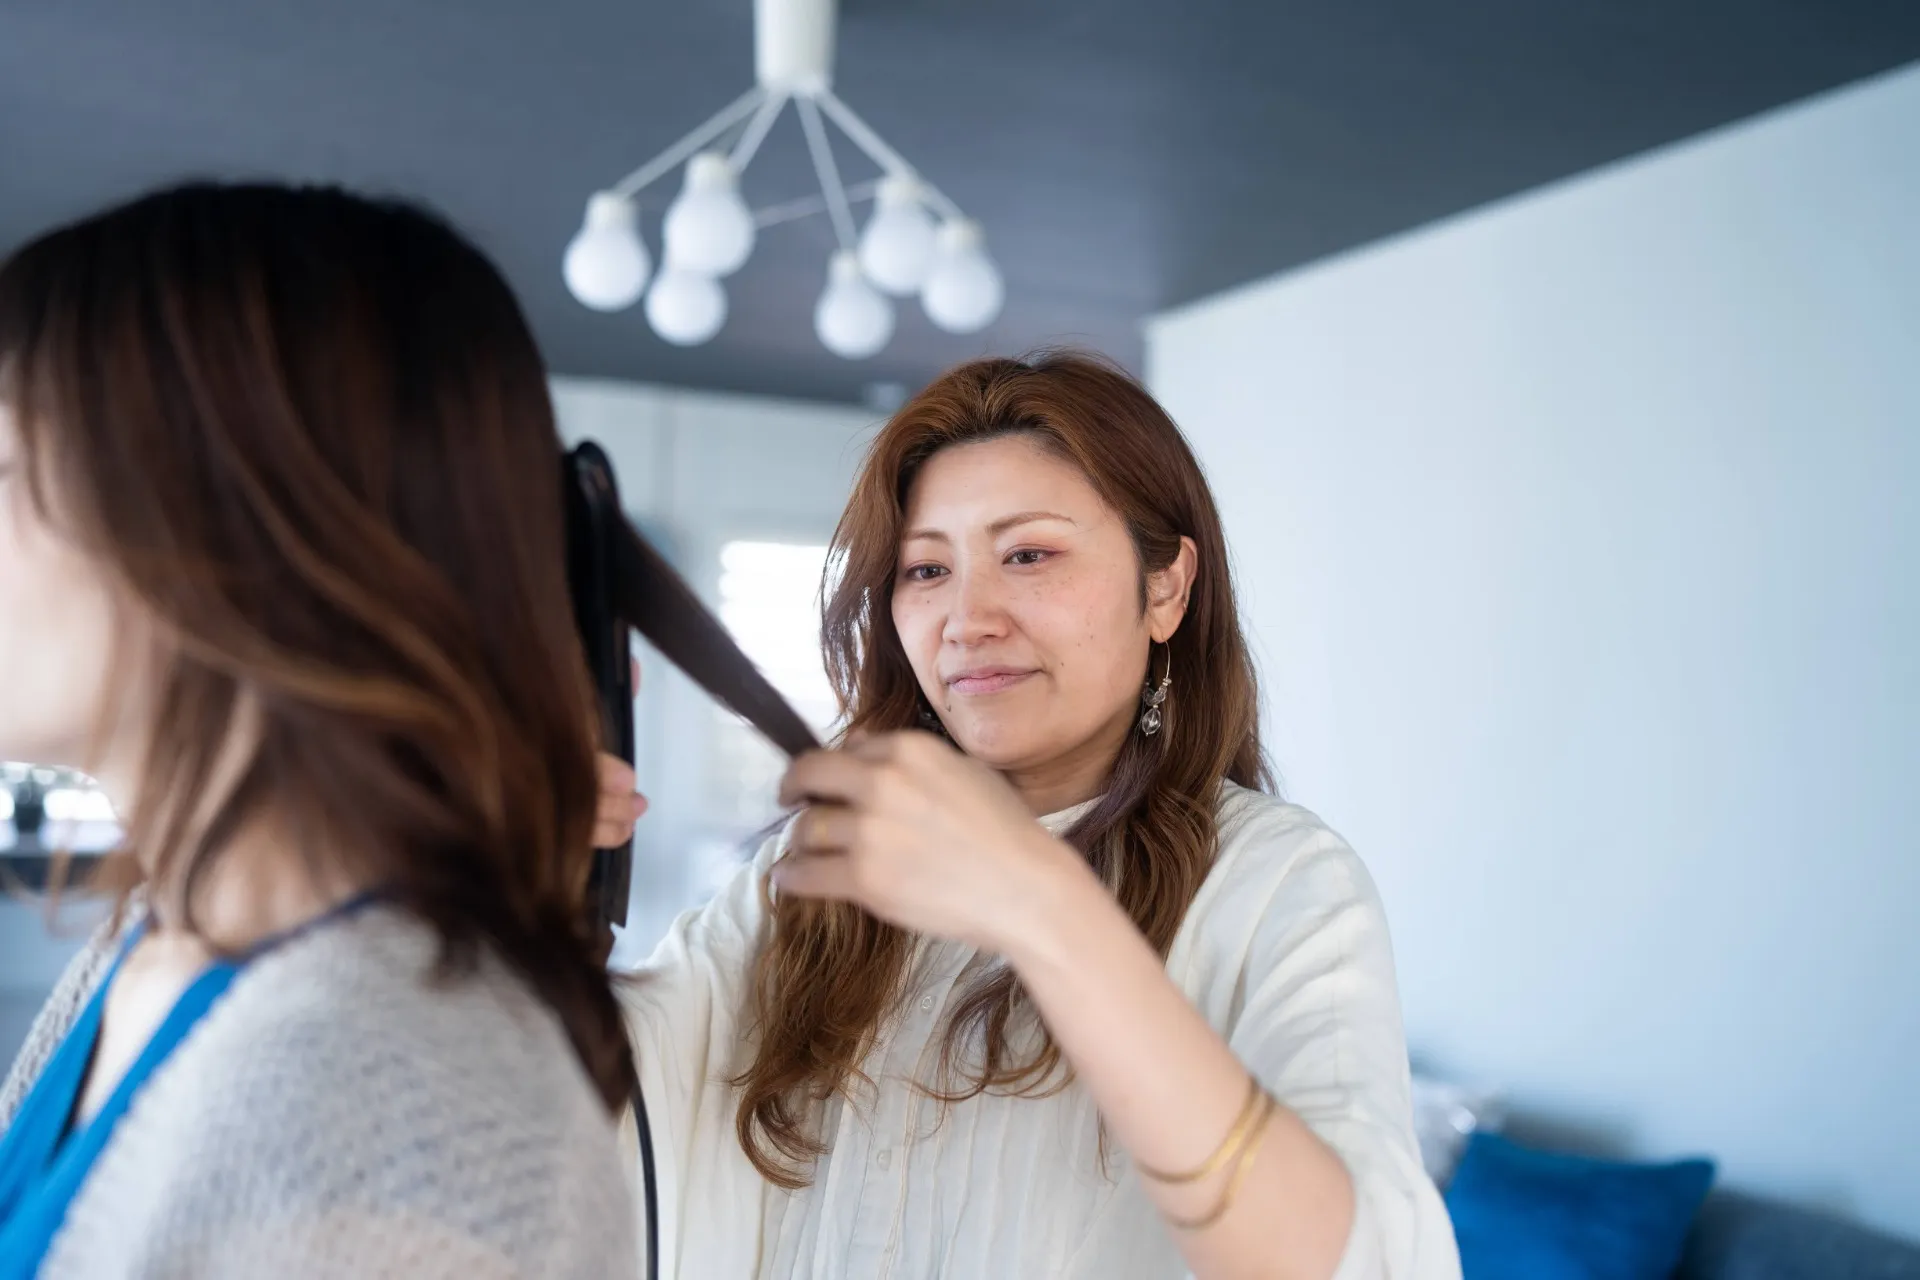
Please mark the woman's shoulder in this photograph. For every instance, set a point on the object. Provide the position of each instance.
(372, 989)
(1275, 854)
(355, 1034)
(1271, 827)
(347, 1069)
(1286, 894)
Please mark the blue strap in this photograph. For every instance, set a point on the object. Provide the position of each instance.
(30, 1228)
(29, 1144)
(40, 1174)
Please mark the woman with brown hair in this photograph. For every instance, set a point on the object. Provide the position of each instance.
(1041, 981)
(282, 566)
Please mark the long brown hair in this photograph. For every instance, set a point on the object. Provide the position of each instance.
(829, 974)
(310, 436)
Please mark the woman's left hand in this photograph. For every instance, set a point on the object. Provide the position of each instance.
(924, 838)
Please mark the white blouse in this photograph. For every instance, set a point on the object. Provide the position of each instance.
(1284, 951)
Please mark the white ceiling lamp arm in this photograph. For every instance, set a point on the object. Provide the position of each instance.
(829, 174)
(862, 135)
(664, 163)
(851, 318)
(756, 130)
(807, 206)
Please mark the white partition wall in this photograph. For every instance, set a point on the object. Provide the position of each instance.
(1581, 539)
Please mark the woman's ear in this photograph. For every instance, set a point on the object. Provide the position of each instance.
(1168, 592)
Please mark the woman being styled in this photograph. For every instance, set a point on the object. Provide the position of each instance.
(282, 566)
(1041, 981)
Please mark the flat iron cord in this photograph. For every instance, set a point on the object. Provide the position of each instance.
(648, 1194)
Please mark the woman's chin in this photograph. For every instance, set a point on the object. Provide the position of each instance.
(988, 740)
(1001, 742)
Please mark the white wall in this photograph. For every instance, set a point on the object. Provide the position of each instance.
(1580, 536)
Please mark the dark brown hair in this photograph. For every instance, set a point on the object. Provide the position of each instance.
(310, 435)
(830, 974)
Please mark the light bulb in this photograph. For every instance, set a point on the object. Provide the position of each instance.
(606, 263)
(684, 307)
(709, 228)
(963, 291)
(896, 249)
(852, 318)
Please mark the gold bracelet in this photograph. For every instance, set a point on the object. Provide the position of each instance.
(1252, 1148)
(1229, 1145)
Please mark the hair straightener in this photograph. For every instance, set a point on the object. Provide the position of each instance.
(620, 584)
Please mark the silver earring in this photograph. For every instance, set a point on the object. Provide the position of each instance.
(1151, 717)
(929, 720)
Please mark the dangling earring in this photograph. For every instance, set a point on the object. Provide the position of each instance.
(1152, 700)
(929, 720)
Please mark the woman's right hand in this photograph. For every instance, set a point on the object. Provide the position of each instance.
(619, 807)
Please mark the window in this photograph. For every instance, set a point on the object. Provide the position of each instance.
(770, 601)
(46, 811)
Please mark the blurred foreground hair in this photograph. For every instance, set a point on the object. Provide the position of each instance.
(310, 435)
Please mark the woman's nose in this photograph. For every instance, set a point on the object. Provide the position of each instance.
(978, 609)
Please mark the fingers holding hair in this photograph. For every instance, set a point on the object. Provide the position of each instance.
(842, 777)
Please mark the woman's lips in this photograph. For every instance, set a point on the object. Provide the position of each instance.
(991, 680)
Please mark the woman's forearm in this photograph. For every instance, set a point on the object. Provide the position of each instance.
(1170, 1090)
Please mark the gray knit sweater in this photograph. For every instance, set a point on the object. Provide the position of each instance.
(339, 1114)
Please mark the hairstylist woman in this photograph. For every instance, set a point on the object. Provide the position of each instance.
(1065, 995)
(281, 564)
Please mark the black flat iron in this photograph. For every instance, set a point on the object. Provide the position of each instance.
(620, 584)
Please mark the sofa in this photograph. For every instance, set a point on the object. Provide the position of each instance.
(1731, 1236)
(1739, 1237)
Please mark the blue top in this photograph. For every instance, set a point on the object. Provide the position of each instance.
(45, 1156)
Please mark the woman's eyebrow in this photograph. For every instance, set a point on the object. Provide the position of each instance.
(998, 527)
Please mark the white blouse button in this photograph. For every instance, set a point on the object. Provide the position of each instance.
(926, 1003)
(884, 1159)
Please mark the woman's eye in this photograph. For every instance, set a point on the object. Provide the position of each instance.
(1028, 556)
(923, 572)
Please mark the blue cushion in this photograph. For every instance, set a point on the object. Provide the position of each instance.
(1538, 1215)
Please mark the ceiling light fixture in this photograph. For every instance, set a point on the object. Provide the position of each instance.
(916, 242)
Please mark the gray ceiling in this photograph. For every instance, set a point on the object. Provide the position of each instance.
(1123, 155)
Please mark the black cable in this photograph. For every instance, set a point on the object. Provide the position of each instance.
(649, 1197)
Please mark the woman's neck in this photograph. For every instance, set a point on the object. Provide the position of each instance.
(1073, 777)
(261, 884)
(271, 874)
